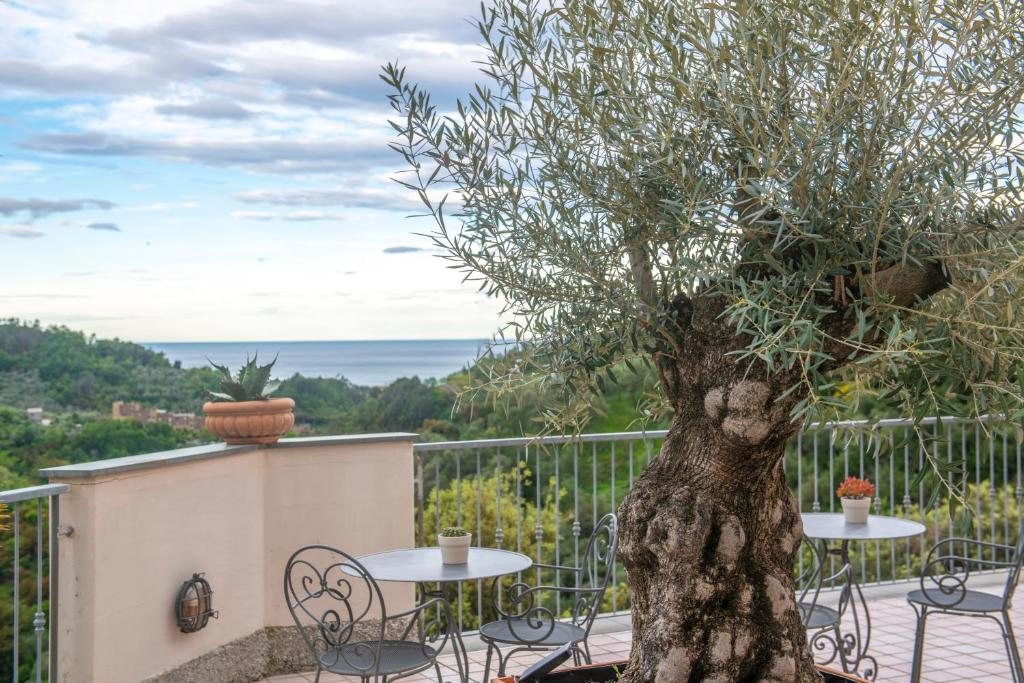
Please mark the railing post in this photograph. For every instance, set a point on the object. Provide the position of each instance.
(421, 536)
(40, 624)
(17, 598)
(39, 619)
(53, 633)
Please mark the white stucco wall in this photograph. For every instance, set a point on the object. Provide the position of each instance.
(143, 525)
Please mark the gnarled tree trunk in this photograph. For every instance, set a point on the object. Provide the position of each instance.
(710, 531)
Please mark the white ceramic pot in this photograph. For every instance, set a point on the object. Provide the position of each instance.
(856, 510)
(454, 549)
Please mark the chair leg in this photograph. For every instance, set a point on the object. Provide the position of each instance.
(316, 679)
(502, 661)
(586, 652)
(1012, 649)
(915, 668)
(840, 651)
(437, 669)
(487, 664)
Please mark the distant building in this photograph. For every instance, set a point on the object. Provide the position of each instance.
(122, 410)
(131, 410)
(187, 421)
(35, 416)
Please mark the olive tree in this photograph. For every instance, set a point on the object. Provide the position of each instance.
(764, 200)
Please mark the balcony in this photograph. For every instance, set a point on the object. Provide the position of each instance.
(123, 534)
(959, 649)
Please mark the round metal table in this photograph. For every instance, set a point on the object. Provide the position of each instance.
(423, 566)
(834, 534)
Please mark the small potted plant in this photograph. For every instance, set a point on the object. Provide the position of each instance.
(242, 412)
(855, 495)
(454, 542)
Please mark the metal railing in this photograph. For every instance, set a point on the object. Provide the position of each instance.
(28, 518)
(541, 496)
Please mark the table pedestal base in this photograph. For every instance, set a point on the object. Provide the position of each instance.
(849, 648)
(449, 592)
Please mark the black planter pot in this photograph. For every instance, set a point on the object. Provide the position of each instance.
(609, 673)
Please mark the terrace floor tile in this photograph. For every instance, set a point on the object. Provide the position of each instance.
(961, 649)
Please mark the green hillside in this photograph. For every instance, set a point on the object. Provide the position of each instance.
(76, 377)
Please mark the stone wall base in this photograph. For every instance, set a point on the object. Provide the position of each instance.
(271, 651)
(268, 652)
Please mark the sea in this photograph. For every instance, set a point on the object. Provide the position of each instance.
(367, 363)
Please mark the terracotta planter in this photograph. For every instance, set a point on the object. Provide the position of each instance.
(856, 510)
(247, 422)
(454, 549)
(609, 673)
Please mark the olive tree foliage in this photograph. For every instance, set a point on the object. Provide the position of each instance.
(844, 175)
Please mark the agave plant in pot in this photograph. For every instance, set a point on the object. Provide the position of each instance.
(243, 412)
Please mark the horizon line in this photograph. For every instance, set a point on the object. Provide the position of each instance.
(318, 341)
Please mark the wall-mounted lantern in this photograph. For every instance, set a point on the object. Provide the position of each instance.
(194, 606)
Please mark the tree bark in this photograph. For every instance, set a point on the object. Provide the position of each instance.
(709, 545)
(710, 531)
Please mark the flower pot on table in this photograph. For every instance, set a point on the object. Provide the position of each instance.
(454, 549)
(856, 510)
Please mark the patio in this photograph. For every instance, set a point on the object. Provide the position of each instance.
(538, 497)
(957, 648)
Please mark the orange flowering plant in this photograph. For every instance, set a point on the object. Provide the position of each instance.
(852, 487)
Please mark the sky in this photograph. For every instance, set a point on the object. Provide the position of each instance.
(206, 170)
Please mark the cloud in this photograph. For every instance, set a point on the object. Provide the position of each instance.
(207, 109)
(318, 98)
(68, 79)
(40, 208)
(354, 79)
(94, 72)
(119, 272)
(361, 197)
(111, 227)
(312, 20)
(163, 206)
(43, 296)
(18, 169)
(403, 250)
(270, 155)
(297, 216)
(20, 231)
(180, 83)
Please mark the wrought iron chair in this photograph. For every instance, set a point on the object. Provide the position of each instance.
(526, 624)
(340, 612)
(821, 621)
(944, 589)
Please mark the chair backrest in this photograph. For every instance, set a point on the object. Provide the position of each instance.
(598, 558)
(1014, 575)
(810, 571)
(597, 563)
(337, 606)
